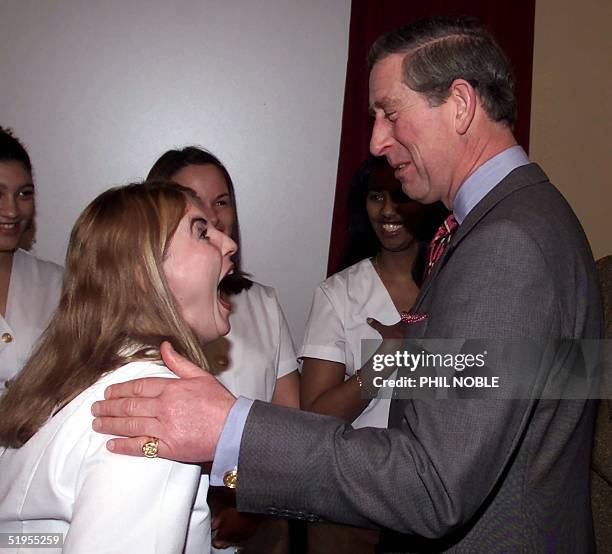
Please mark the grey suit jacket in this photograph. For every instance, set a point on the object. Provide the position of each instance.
(459, 475)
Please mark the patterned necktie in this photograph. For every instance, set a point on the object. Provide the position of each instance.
(439, 242)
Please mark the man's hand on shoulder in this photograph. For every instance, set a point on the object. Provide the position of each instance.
(186, 415)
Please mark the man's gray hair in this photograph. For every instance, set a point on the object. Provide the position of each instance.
(441, 49)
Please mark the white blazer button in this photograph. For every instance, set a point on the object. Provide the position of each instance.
(7, 337)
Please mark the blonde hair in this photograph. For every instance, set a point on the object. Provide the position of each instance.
(115, 306)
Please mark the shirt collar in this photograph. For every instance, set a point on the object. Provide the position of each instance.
(485, 178)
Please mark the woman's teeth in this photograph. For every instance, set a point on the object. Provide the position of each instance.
(391, 227)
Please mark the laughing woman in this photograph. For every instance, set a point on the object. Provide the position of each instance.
(29, 287)
(388, 240)
(257, 358)
(129, 285)
(389, 233)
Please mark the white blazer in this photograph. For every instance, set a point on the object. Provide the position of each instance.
(34, 292)
(64, 480)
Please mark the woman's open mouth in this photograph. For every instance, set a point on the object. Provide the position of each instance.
(390, 230)
(224, 301)
(11, 229)
(222, 296)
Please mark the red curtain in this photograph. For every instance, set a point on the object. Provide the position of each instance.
(511, 23)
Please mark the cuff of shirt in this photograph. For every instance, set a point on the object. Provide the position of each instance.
(228, 447)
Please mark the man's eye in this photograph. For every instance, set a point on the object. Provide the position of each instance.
(391, 116)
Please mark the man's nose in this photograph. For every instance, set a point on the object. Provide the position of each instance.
(381, 137)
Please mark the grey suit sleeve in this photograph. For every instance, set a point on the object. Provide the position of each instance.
(437, 467)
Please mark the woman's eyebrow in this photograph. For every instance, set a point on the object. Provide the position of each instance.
(4, 186)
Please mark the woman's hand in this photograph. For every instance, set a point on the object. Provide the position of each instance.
(390, 332)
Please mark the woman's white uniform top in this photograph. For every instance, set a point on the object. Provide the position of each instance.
(34, 292)
(64, 480)
(258, 349)
(337, 324)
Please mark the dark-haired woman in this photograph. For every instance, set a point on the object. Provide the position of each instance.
(257, 358)
(29, 287)
(389, 235)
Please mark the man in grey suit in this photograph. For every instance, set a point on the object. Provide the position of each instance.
(459, 474)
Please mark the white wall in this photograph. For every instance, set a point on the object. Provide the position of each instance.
(97, 90)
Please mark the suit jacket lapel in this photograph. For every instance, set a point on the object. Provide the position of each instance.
(523, 176)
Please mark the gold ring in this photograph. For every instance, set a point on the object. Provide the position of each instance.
(149, 448)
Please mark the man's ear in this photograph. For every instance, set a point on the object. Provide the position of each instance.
(464, 98)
